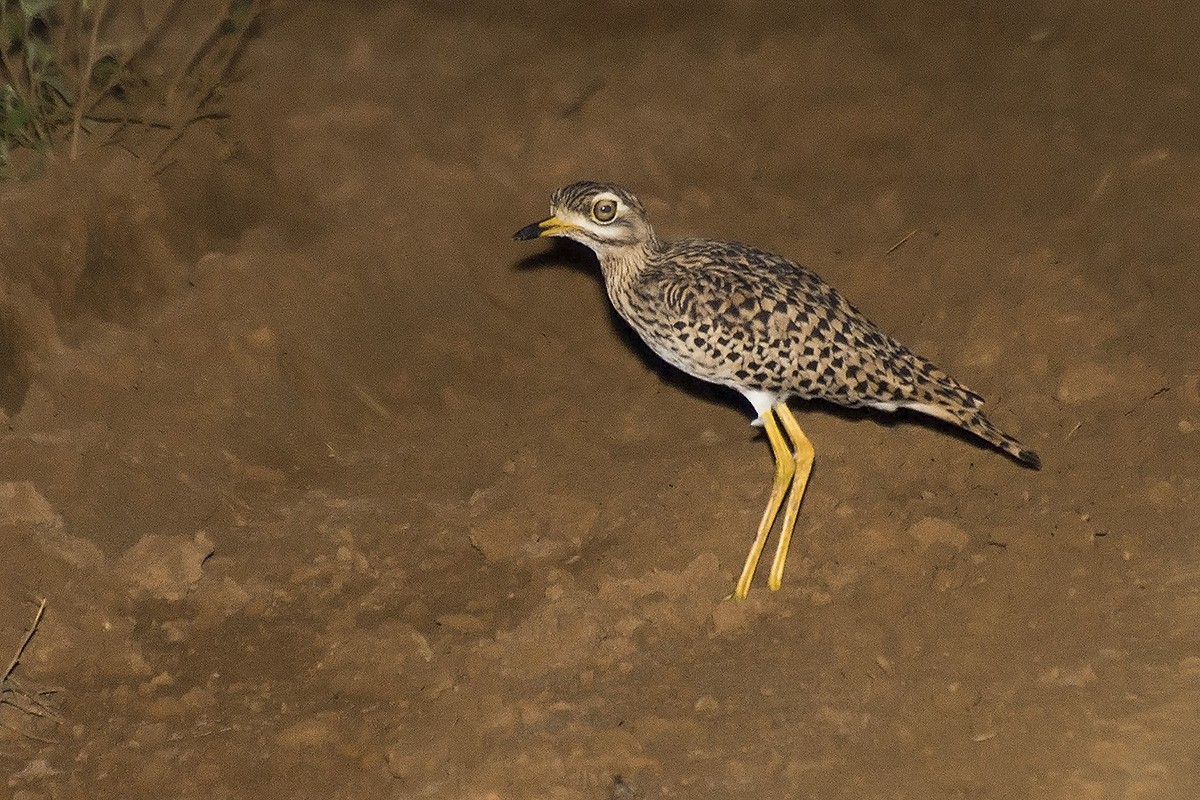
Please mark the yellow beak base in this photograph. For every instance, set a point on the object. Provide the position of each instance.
(551, 226)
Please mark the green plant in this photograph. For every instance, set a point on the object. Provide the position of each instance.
(72, 69)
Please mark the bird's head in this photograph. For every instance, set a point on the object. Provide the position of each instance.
(599, 215)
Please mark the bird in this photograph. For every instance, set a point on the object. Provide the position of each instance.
(761, 324)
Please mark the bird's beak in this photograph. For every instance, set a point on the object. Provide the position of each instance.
(552, 226)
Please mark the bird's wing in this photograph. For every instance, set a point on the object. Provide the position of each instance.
(734, 296)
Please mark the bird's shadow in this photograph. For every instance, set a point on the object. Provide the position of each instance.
(564, 253)
(903, 416)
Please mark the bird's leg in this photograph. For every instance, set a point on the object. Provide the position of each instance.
(785, 467)
(803, 461)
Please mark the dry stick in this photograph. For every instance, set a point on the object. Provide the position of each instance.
(33, 710)
(36, 706)
(85, 79)
(29, 96)
(37, 619)
(48, 712)
(11, 74)
(152, 122)
(151, 36)
(179, 131)
(897, 245)
(27, 734)
(69, 31)
(202, 49)
(210, 41)
(169, 97)
(231, 54)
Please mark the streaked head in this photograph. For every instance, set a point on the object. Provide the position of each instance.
(599, 215)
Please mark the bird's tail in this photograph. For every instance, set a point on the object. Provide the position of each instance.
(971, 419)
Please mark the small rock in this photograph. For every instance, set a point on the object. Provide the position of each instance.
(933, 530)
(22, 504)
(165, 708)
(501, 536)
(306, 734)
(157, 682)
(1087, 382)
(36, 770)
(733, 616)
(165, 567)
(198, 697)
(1191, 389)
(1057, 676)
(462, 623)
(76, 551)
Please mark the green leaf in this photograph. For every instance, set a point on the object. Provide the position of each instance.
(15, 119)
(35, 8)
(39, 53)
(12, 30)
(103, 71)
(54, 79)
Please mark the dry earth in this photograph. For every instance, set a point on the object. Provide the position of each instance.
(334, 491)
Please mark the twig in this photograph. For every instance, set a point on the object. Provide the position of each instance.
(152, 36)
(198, 55)
(151, 122)
(11, 74)
(898, 244)
(34, 698)
(1142, 404)
(370, 402)
(85, 80)
(217, 75)
(26, 734)
(220, 30)
(33, 710)
(16, 659)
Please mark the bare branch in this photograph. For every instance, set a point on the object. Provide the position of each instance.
(16, 659)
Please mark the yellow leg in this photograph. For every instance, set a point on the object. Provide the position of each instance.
(803, 451)
(785, 467)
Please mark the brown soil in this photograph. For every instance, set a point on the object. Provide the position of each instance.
(334, 491)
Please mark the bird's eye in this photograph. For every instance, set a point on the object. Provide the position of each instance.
(604, 210)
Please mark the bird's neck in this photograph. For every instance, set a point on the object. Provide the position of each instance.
(621, 264)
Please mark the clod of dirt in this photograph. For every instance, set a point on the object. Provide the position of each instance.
(74, 550)
(551, 527)
(394, 657)
(1087, 382)
(22, 504)
(1060, 676)
(929, 531)
(165, 567)
(1128, 377)
(309, 733)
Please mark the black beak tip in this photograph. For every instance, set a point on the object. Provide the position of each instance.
(528, 232)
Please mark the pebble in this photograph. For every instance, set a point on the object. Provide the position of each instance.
(1086, 382)
(933, 530)
(22, 504)
(165, 567)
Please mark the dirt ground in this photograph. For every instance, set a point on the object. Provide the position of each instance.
(335, 491)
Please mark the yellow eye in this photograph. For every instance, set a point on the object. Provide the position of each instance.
(604, 210)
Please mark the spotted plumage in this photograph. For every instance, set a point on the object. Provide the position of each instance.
(744, 318)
